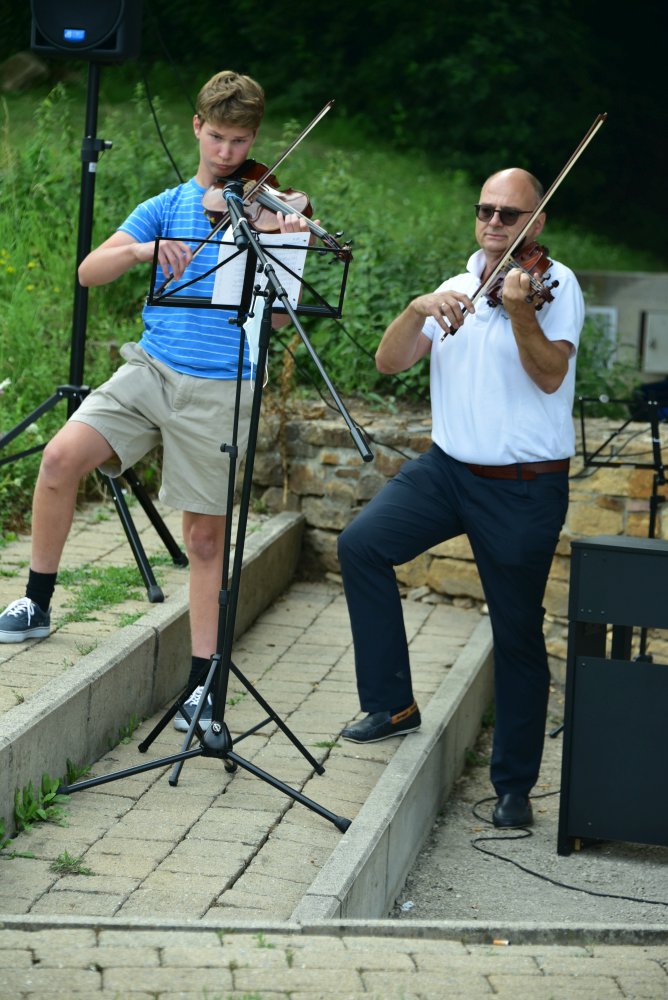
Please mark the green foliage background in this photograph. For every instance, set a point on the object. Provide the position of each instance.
(428, 101)
(470, 86)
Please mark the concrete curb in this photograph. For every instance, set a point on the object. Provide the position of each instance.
(78, 716)
(468, 932)
(369, 865)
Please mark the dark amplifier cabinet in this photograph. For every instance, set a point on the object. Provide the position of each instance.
(614, 783)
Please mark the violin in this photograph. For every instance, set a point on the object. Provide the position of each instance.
(263, 200)
(261, 218)
(533, 260)
(264, 196)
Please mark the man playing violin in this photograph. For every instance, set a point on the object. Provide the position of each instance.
(177, 387)
(502, 387)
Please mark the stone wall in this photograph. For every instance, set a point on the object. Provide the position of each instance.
(306, 461)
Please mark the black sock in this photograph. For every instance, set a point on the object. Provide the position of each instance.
(197, 665)
(40, 588)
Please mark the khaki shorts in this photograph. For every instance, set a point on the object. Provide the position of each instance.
(146, 403)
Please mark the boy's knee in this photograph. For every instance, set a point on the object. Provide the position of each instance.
(203, 540)
(59, 464)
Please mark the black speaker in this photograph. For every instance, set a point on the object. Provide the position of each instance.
(100, 30)
(615, 753)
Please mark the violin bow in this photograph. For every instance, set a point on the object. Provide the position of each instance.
(540, 207)
(224, 220)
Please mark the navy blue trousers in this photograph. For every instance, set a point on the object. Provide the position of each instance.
(513, 527)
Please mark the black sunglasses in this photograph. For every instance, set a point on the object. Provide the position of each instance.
(508, 216)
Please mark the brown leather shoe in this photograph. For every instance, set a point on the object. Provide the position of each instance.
(382, 725)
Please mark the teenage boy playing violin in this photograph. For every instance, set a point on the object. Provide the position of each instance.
(502, 385)
(176, 388)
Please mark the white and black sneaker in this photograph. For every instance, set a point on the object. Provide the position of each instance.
(23, 619)
(182, 721)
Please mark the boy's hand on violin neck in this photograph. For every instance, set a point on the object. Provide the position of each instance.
(293, 223)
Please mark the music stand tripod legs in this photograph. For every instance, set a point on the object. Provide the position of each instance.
(217, 741)
(76, 391)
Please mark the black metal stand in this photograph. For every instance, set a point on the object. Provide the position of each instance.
(217, 741)
(594, 459)
(659, 479)
(75, 391)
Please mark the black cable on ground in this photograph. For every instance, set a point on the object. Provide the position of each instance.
(522, 834)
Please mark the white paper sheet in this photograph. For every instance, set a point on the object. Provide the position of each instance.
(229, 280)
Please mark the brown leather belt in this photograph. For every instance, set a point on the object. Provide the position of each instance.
(520, 470)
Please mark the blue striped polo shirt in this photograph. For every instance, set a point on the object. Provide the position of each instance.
(196, 341)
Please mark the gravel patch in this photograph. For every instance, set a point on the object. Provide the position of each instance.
(605, 882)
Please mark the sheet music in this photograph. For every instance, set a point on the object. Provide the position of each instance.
(229, 280)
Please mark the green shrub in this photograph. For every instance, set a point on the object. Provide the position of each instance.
(411, 226)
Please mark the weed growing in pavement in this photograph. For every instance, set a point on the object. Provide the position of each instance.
(129, 619)
(97, 587)
(262, 941)
(488, 716)
(44, 804)
(327, 744)
(83, 648)
(125, 732)
(5, 841)
(474, 759)
(66, 864)
(74, 772)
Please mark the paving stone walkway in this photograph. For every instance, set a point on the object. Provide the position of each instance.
(191, 888)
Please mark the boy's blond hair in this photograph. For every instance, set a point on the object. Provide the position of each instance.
(231, 97)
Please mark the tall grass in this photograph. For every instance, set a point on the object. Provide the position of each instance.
(411, 225)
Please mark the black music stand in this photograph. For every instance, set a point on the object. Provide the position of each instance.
(75, 391)
(594, 459)
(217, 741)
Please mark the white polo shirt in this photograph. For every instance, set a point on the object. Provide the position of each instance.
(485, 408)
